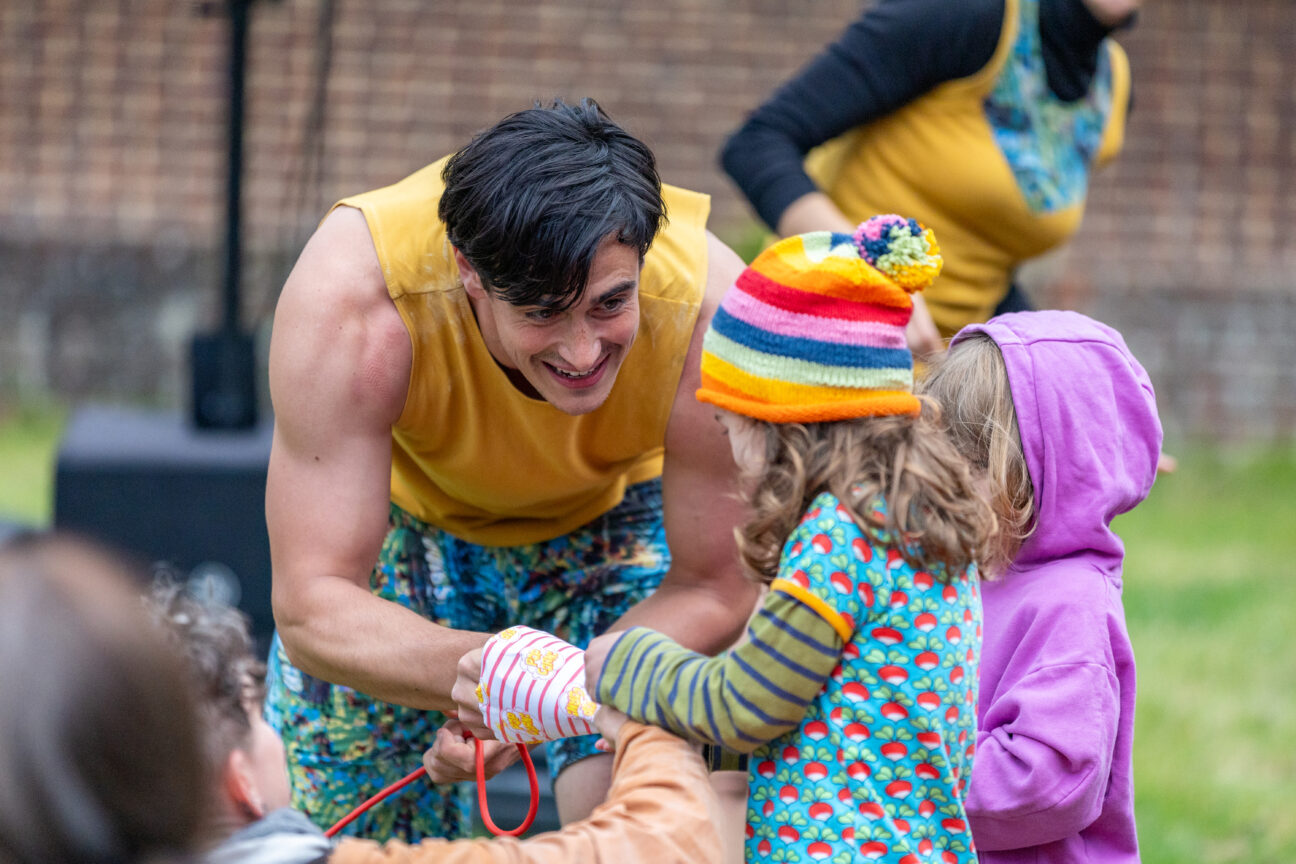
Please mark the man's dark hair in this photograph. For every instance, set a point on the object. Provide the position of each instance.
(529, 200)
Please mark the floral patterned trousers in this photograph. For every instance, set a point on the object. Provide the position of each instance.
(344, 746)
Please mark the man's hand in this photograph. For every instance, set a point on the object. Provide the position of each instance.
(595, 658)
(452, 757)
(465, 695)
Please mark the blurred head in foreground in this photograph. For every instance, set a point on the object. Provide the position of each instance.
(100, 758)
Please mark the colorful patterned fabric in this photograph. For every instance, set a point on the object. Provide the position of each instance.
(1050, 144)
(343, 746)
(814, 329)
(877, 766)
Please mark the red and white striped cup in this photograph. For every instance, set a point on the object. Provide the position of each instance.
(532, 687)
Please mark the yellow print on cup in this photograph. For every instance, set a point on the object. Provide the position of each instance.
(540, 663)
(506, 635)
(523, 723)
(579, 704)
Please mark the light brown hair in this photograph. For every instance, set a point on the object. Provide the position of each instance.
(933, 515)
(100, 758)
(970, 382)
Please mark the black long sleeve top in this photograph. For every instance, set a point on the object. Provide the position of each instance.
(896, 51)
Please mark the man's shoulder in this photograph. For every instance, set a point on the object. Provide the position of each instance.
(676, 264)
(335, 311)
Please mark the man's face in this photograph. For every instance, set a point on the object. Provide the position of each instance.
(569, 357)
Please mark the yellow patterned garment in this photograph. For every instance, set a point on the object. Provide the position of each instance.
(993, 163)
(473, 456)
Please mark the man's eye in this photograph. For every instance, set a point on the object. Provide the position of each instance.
(612, 304)
(542, 314)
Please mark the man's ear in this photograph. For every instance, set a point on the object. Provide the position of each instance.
(469, 276)
(241, 787)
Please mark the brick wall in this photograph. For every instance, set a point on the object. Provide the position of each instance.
(112, 145)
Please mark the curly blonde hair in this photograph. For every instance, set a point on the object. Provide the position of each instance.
(970, 382)
(933, 515)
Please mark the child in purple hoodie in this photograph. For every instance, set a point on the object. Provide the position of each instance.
(1062, 419)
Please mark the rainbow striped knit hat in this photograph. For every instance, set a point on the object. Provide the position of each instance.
(814, 329)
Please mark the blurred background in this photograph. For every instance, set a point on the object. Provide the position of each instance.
(115, 253)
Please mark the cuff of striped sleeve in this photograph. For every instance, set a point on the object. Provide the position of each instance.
(817, 603)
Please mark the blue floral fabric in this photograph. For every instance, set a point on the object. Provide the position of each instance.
(343, 746)
(1049, 144)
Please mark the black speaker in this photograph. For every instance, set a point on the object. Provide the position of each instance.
(223, 364)
(152, 485)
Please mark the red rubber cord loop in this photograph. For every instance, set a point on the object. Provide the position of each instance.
(481, 795)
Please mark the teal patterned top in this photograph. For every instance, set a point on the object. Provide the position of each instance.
(1050, 144)
(855, 692)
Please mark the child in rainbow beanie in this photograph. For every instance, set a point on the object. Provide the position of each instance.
(855, 691)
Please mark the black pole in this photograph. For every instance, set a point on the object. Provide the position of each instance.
(234, 188)
(224, 361)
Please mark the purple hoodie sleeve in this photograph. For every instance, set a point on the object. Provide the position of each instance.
(1043, 757)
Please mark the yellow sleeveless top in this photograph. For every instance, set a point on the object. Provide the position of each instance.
(472, 455)
(993, 163)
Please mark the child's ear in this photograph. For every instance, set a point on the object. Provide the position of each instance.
(241, 787)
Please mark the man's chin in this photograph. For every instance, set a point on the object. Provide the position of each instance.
(575, 405)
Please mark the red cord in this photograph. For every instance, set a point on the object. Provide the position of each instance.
(481, 795)
(395, 787)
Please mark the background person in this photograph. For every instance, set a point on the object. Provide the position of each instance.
(983, 119)
(482, 379)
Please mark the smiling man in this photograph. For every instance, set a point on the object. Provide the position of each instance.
(483, 383)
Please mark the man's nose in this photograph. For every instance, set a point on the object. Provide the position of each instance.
(582, 347)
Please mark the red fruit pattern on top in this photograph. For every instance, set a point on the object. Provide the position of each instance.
(877, 768)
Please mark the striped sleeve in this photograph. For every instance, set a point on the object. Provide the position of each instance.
(739, 700)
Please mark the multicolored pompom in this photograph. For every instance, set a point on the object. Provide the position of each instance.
(901, 248)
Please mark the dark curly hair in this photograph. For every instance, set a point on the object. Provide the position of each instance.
(214, 640)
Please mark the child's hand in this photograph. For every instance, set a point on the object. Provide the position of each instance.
(608, 721)
(595, 656)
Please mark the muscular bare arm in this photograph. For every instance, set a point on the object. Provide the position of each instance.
(704, 600)
(339, 368)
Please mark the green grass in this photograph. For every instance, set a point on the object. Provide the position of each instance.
(1210, 597)
(1210, 602)
(29, 436)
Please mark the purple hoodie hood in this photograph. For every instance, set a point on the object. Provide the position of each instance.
(1089, 428)
(1052, 779)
